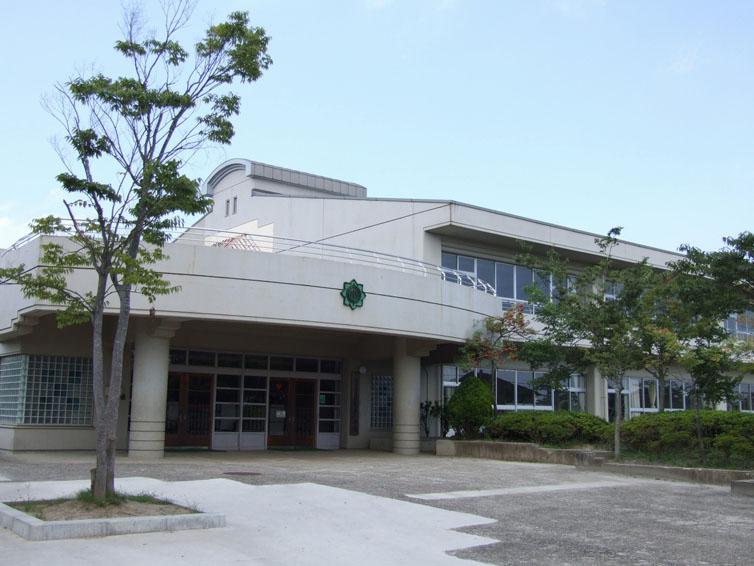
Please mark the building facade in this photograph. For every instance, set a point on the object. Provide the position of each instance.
(309, 315)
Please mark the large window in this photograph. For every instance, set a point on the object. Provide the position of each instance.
(572, 397)
(46, 390)
(518, 390)
(643, 395)
(510, 281)
(382, 402)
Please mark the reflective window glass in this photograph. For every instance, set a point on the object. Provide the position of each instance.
(506, 385)
(524, 390)
(523, 280)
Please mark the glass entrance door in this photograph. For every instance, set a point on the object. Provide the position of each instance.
(292, 414)
(188, 412)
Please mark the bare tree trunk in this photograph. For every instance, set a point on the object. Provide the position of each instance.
(618, 420)
(99, 475)
(661, 394)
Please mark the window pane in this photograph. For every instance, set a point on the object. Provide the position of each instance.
(226, 425)
(525, 393)
(634, 393)
(308, 365)
(676, 394)
(506, 385)
(745, 397)
(229, 360)
(255, 382)
(329, 366)
(562, 400)
(466, 263)
(281, 364)
(226, 396)
(543, 394)
(504, 280)
(523, 280)
(485, 270)
(329, 385)
(578, 401)
(329, 426)
(231, 381)
(649, 388)
(252, 361)
(256, 411)
(226, 410)
(253, 425)
(197, 358)
(449, 260)
(542, 281)
(178, 357)
(464, 375)
(254, 396)
(449, 374)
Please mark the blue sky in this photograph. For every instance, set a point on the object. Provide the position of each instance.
(585, 113)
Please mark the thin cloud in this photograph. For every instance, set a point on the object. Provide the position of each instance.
(685, 60)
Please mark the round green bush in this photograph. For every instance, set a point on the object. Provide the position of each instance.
(470, 408)
(560, 428)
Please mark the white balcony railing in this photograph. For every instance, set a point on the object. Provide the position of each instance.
(265, 243)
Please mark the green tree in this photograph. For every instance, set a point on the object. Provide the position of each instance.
(731, 267)
(471, 407)
(499, 340)
(662, 324)
(592, 314)
(710, 286)
(130, 137)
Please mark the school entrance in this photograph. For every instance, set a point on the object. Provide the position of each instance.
(246, 401)
(188, 418)
(293, 411)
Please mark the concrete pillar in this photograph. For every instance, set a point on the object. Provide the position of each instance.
(596, 393)
(406, 399)
(149, 396)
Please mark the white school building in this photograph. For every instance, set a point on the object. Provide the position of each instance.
(309, 315)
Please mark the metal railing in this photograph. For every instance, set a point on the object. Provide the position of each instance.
(266, 243)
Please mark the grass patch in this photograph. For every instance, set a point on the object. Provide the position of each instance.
(87, 497)
(84, 505)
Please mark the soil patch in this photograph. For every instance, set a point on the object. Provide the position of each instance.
(71, 509)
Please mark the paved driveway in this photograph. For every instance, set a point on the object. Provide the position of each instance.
(543, 514)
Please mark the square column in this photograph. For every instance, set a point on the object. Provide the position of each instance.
(149, 395)
(406, 399)
(596, 393)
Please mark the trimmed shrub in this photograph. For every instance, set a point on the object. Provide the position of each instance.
(470, 408)
(561, 428)
(728, 437)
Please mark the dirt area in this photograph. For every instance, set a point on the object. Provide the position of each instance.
(70, 509)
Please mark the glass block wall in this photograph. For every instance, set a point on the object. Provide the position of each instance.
(49, 390)
(12, 384)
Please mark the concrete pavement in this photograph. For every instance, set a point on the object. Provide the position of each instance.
(544, 514)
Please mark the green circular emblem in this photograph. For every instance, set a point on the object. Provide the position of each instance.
(353, 294)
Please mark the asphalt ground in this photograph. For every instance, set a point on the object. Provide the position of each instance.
(545, 514)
